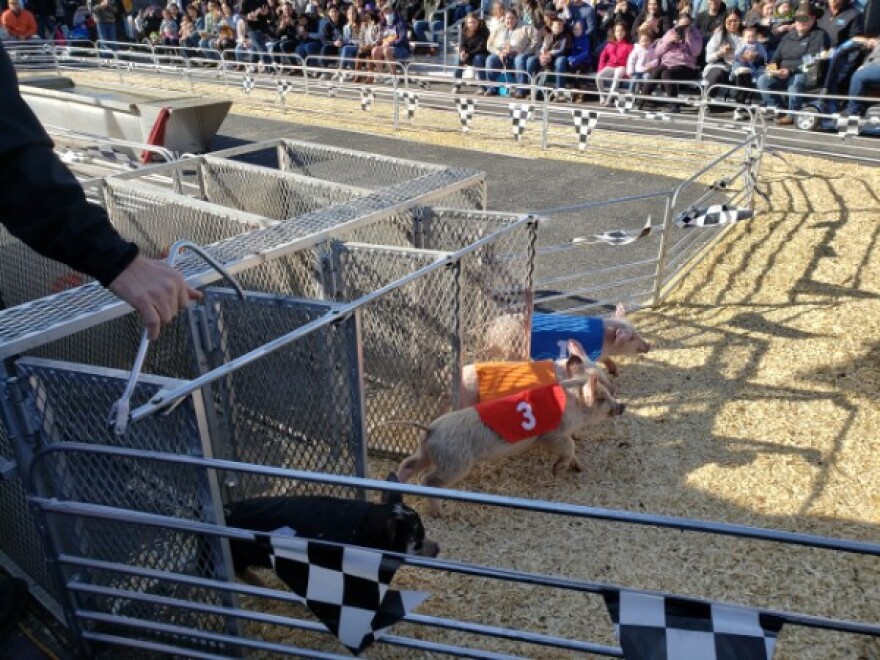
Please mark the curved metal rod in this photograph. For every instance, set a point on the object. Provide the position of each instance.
(120, 411)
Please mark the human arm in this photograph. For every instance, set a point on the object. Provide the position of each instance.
(43, 205)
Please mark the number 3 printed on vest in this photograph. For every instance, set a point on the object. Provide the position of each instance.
(529, 422)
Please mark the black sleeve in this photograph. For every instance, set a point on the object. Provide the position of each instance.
(42, 203)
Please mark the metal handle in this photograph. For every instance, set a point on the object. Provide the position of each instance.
(120, 411)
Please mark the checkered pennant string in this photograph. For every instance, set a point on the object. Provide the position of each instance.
(367, 98)
(584, 123)
(283, 88)
(247, 83)
(616, 237)
(847, 126)
(722, 183)
(346, 588)
(106, 152)
(720, 214)
(653, 627)
(625, 103)
(466, 110)
(520, 114)
(46, 48)
(411, 99)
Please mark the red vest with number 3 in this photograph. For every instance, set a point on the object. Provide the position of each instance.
(524, 414)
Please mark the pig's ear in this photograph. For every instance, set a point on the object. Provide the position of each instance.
(389, 497)
(576, 348)
(574, 366)
(622, 334)
(619, 311)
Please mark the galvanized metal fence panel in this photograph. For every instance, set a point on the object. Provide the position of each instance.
(69, 403)
(300, 407)
(351, 168)
(267, 192)
(410, 336)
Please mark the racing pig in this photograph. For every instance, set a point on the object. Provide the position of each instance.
(486, 381)
(601, 338)
(456, 441)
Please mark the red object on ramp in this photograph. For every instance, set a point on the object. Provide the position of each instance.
(157, 133)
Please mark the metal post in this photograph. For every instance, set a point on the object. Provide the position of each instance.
(661, 257)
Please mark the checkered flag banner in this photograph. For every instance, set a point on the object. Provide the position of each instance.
(411, 99)
(616, 237)
(466, 110)
(520, 114)
(584, 123)
(367, 98)
(247, 83)
(283, 87)
(346, 588)
(653, 627)
(720, 214)
(847, 126)
(106, 152)
(625, 103)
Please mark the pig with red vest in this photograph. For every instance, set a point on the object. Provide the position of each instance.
(551, 415)
(600, 338)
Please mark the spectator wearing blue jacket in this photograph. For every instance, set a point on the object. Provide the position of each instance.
(581, 56)
(578, 10)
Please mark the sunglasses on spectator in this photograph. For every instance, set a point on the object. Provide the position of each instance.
(802, 19)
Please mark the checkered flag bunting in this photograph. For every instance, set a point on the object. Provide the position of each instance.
(720, 214)
(584, 123)
(616, 237)
(247, 84)
(847, 126)
(367, 98)
(346, 588)
(466, 110)
(411, 99)
(283, 87)
(520, 114)
(625, 103)
(654, 627)
(331, 91)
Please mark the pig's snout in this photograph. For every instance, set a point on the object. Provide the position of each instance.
(617, 409)
(644, 347)
(430, 548)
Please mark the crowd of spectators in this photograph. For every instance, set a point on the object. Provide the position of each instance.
(770, 50)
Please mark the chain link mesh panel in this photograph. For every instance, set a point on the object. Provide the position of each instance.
(351, 168)
(410, 344)
(70, 404)
(19, 539)
(155, 219)
(26, 275)
(269, 193)
(300, 406)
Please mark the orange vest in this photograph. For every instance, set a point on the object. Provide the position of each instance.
(524, 414)
(498, 379)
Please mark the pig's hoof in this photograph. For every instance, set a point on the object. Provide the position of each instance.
(576, 465)
(560, 466)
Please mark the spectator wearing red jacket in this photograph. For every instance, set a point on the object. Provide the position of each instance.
(612, 61)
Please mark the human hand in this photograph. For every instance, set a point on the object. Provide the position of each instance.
(155, 290)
